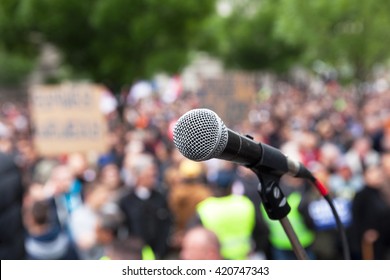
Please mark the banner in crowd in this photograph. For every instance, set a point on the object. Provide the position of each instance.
(67, 118)
(231, 96)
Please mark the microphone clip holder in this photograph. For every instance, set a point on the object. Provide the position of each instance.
(276, 204)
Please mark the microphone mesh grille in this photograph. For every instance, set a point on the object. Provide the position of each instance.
(200, 135)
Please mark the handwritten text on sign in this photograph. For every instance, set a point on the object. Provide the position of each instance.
(67, 118)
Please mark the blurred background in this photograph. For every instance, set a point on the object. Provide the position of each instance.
(90, 92)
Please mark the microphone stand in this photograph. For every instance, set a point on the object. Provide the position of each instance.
(276, 206)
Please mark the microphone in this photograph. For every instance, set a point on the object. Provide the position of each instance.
(200, 135)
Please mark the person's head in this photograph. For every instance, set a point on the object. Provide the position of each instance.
(191, 171)
(61, 178)
(110, 176)
(110, 220)
(37, 216)
(344, 170)
(6, 145)
(225, 178)
(374, 177)
(43, 170)
(96, 195)
(200, 243)
(362, 145)
(129, 248)
(330, 155)
(40, 212)
(78, 164)
(144, 170)
(308, 141)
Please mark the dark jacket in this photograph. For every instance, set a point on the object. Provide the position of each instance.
(11, 195)
(368, 211)
(149, 219)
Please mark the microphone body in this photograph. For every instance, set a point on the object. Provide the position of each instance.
(201, 135)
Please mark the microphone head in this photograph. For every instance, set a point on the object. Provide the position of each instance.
(200, 135)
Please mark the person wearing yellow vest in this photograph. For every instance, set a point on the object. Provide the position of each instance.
(281, 247)
(232, 218)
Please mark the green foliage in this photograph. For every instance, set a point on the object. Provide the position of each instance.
(14, 68)
(117, 41)
(276, 34)
(250, 29)
(342, 33)
(17, 48)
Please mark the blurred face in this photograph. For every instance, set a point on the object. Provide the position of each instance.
(103, 236)
(148, 176)
(62, 179)
(345, 172)
(110, 176)
(5, 145)
(374, 177)
(78, 164)
(362, 146)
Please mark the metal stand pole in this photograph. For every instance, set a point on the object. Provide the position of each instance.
(299, 251)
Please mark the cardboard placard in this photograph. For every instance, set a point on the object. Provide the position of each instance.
(67, 118)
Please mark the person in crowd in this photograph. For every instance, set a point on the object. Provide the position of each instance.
(369, 205)
(361, 155)
(109, 225)
(184, 196)
(145, 209)
(344, 183)
(60, 186)
(233, 219)
(246, 183)
(385, 161)
(11, 196)
(129, 248)
(84, 221)
(109, 176)
(110, 233)
(200, 243)
(45, 240)
(53, 185)
(78, 164)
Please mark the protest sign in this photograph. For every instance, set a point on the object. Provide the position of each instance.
(67, 118)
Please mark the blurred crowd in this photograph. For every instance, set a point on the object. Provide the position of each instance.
(143, 200)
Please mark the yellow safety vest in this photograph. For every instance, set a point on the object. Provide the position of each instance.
(147, 253)
(232, 219)
(278, 236)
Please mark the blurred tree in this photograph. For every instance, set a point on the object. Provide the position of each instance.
(18, 48)
(344, 35)
(248, 38)
(14, 68)
(118, 41)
